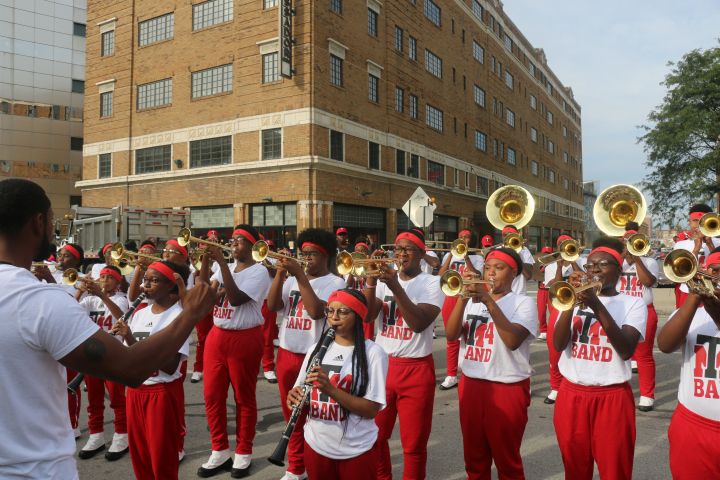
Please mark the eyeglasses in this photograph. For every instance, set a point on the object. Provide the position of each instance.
(168, 250)
(405, 250)
(309, 254)
(342, 312)
(602, 264)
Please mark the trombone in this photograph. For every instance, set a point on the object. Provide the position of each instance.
(710, 224)
(452, 284)
(457, 248)
(564, 296)
(261, 251)
(638, 244)
(185, 237)
(117, 251)
(616, 206)
(359, 265)
(681, 266)
(568, 250)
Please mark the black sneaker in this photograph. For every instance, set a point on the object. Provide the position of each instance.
(211, 472)
(240, 472)
(87, 454)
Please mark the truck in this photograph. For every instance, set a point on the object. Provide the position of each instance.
(92, 227)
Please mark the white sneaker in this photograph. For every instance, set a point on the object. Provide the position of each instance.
(181, 455)
(241, 462)
(542, 336)
(196, 377)
(270, 376)
(292, 476)
(95, 441)
(119, 442)
(646, 404)
(448, 383)
(217, 458)
(633, 366)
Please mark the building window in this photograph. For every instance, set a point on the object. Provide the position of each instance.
(270, 4)
(457, 177)
(478, 52)
(372, 22)
(212, 81)
(508, 42)
(533, 102)
(480, 141)
(412, 47)
(511, 156)
(107, 43)
(432, 12)
(211, 13)
(436, 173)
(104, 165)
(413, 107)
(400, 162)
(153, 159)
(398, 39)
(566, 184)
(434, 118)
(534, 167)
(551, 176)
(433, 63)
(549, 117)
(336, 70)
(210, 152)
(271, 144)
(533, 134)
(337, 147)
(565, 156)
(336, 6)
(483, 186)
(156, 29)
(531, 66)
(78, 86)
(79, 29)
(510, 117)
(477, 9)
(76, 143)
(106, 104)
(509, 80)
(373, 82)
(551, 146)
(414, 168)
(155, 94)
(271, 70)
(564, 131)
(399, 100)
(479, 95)
(374, 155)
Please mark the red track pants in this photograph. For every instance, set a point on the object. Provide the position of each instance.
(493, 417)
(543, 298)
(270, 333)
(644, 356)
(595, 423)
(410, 392)
(96, 404)
(362, 467)
(288, 369)
(694, 446)
(74, 402)
(232, 358)
(202, 328)
(553, 355)
(453, 347)
(154, 426)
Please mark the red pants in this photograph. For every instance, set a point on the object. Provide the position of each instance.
(270, 333)
(453, 347)
(595, 423)
(694, 446)
(181, 406)
(543, 298)
(493, 417)
(202, 328)
(154, 430)
(74, 402)
(644, 356)
(232, 358)
(680, 296)
(553, 355)
(410, 392)
(362, 467)
(96, 404)
(288, 369)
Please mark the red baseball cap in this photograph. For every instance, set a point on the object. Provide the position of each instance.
(341, 230)
(562, 238)
(487, 241)
(546, 250)
(212, 233)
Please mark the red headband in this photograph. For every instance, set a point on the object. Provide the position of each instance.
(178, 247)
(245, 234)
(212, 233)
(464, 233)
(562, 238)
(73, 251)
(509, 229)
(696, 215)
(412, 238)
(168, 272)
(362, 244)
(630, 232)
(612, 252)
(712, 259)
(356, 305)
(106, 247)
(112, 273)
(315, 246)
(503, 257)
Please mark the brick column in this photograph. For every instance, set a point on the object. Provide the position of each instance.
(390, 224)
(241, 213)
(314, 214)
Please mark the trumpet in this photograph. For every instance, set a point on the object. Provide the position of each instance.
(710, 224)
(564, 296)
(185, 237)
(44, 264)
(72, 277)
(616, 206)
(117, 251)
(358, 264)
(510, 205)
(458, 248)
(568, 250)
(638, 244)
(453, 284)
(681, 266)
(511, 240)
(197, 254)
(261, 251)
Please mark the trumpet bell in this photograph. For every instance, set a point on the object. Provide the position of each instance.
(260, 250)
(70, 276)
(562, 296)
(616, 206)
(510, 205)
(514, 241)
(638, 244)
(451, 283)
(680, 266)
(710, 224)
(358, 270)
(117, 250)
(184, 236)
(458, 248)
(344, 263)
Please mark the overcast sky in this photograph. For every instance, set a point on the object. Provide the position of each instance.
(614, 55)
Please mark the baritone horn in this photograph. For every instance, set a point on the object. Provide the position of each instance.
(710, 224)
(564, 296)
(638, 244)
(568, 250)
(453, 284)
(616, 206)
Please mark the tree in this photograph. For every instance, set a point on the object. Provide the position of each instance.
(682, 145)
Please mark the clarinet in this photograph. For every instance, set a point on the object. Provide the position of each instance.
(74, 384)
(278, 456)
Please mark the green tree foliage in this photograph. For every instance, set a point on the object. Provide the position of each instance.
(682, 145)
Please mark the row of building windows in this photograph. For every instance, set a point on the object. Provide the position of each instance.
(54, 112)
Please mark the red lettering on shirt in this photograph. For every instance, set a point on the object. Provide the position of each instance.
(102, 321)
(393, 323)
(706, 371)
(586, 337)
(324, 407)
(296, 313)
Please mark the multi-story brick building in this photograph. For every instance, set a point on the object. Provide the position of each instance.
(189, 109)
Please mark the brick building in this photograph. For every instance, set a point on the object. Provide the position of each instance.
(189, 109)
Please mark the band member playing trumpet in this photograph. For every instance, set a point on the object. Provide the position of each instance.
(270, 328)
(348, 392)
(496, 329)
(410, 300)
(594, 412)
(301, 299)
(233, 351)
(466, 263)
(693, 432)
(358, 283)
(520, 282)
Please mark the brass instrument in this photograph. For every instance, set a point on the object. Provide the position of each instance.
(681, 266)
(197, 254)
(453, 284)
(510, 205)
(638, 244)
(125, 264)
(564, 296)
(458, 248)
(616, 206)
(72, 277)
(261, 251)
(359, 265)
(44, 264)
(118, 251)
(710, 224)
(185, 237)
(568, 250)
(437, 242)
(387, 247)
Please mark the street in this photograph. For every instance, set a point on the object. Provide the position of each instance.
(541, 456)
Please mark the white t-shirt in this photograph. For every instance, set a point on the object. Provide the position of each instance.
(425, 266)
(325, 429)
(299, 332)
(519, 284)
(255, 282)
(458, 263)
(589, 358)
(145, 323)
(689, 245)
(567, 270)
(95, 272)
(630, 284)
(99, 313)
(484, 354)
(40, 325)
(699, 389)
(394, 336)
(214, 268)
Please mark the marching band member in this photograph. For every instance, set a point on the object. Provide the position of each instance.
(348, 392)
(105, 304)
(302, 299)
(468, 263)
(543, 299)
(342, 239)
(270, 329)
(106, 255)
(411, 300)
(694, 431)
(494, 388)
(595, 412)
(520, 282)
(233, 351)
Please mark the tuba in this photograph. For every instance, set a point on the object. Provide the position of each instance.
(710, 224)
(510, 205)
(616, 206)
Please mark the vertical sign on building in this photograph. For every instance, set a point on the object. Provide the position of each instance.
(286, 38)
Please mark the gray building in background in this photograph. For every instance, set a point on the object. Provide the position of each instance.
(590, 194)
(42, 80)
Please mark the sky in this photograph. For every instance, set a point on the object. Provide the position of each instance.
(614, 55)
